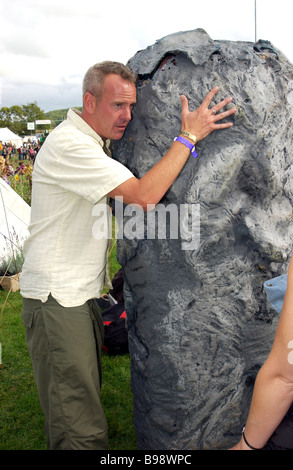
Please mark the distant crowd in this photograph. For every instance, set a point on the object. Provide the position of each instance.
(25, 154)
(27, 151)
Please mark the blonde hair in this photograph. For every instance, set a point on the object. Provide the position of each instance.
(95, 76)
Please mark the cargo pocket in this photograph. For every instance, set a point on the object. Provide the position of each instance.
(30, 316)
(27, 318)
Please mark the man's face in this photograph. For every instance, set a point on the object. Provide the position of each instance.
(113, 110)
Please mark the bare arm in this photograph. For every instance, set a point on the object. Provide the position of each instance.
(273, 390)
(153, 185)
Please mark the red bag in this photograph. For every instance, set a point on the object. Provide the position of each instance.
(116, 334)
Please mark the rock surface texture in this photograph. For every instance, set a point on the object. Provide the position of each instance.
(199, 324)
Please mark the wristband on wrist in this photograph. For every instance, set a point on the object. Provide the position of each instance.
(245, 440)
(187, 144)
(190, 136)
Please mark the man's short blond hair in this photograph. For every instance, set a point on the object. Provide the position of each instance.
(95, 76)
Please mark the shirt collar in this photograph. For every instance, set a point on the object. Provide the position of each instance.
(74, 116)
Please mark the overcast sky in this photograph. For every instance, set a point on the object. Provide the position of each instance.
(46, 46)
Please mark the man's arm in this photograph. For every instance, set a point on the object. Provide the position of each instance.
(153, 185)
(273, 390)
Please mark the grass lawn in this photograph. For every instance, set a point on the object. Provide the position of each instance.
(21, 418)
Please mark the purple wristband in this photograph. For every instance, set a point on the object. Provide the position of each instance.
(187, 144)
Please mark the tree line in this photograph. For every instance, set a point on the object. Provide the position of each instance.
(16, 117)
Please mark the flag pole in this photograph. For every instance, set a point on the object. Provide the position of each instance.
(255, 21)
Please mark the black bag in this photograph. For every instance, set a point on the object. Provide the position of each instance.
(116, 335)
(282, 439)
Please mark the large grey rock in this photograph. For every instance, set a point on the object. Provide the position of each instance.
(199, 323)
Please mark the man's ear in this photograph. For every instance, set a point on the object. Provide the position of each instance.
(89, 102)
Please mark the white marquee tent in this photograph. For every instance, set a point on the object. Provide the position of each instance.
(7, 136)
(14, 220)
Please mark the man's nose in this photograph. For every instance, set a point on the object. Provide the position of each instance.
(127, 113)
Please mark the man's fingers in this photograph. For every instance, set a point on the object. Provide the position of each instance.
(184, 103)
(222, 104)
(219, 117)
(225, 114)
(205, 119)
(223, 125)
(206, 102)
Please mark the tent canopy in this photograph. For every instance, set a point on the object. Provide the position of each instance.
(7, 136)
(14, 221)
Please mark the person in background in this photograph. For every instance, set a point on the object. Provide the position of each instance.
(273, 391)
(65, 264)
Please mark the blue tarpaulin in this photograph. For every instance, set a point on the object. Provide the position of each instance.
(275, 290)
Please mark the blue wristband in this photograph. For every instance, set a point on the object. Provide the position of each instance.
(187, 144)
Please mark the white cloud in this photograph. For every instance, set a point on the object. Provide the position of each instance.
(47, 46)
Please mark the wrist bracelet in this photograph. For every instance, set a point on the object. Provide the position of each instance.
(187, 144)
(190, 136)
(245, 440)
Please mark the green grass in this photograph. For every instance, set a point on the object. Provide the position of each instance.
(21, 417)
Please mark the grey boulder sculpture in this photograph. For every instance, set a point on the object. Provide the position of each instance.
(199, 323)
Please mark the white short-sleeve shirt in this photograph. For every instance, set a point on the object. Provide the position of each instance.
(63, 254)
